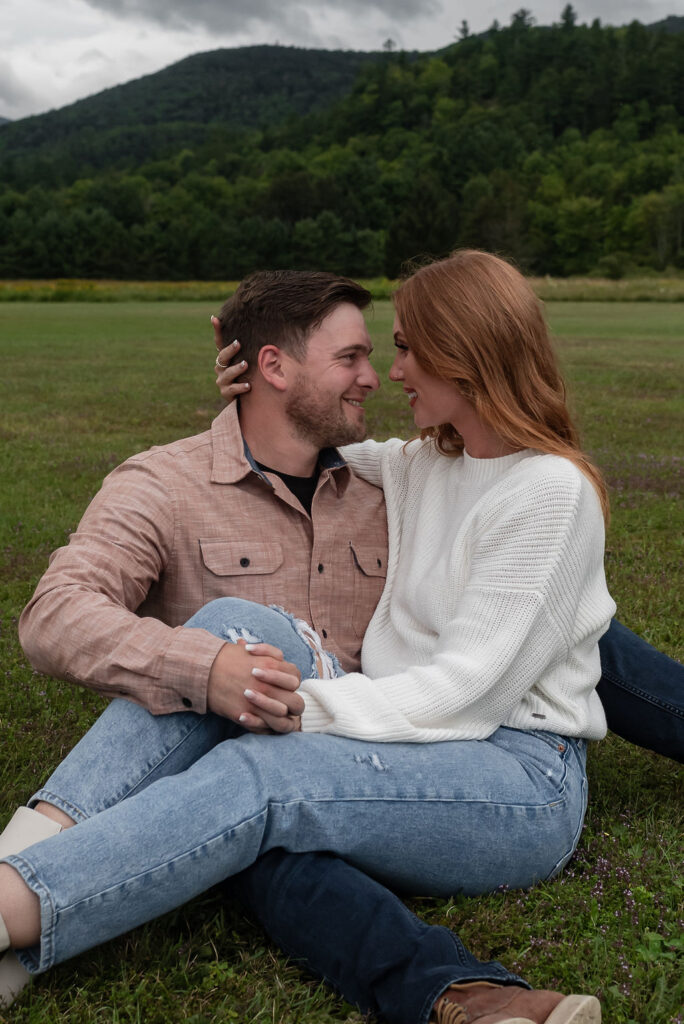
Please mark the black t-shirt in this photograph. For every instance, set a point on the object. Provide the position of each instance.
(303, 487)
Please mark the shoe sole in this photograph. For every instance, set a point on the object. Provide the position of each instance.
(576, 1010)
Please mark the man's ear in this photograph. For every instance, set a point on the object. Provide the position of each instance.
(272, 364)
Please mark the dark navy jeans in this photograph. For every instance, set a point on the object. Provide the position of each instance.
(349, 930)
(642, 692)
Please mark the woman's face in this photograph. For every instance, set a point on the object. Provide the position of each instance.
(434, 401)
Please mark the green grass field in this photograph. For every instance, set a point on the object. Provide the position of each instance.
(83, 386)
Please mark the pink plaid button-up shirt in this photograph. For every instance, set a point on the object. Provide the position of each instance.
(182, 524)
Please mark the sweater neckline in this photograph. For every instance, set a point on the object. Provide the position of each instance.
(489, 469)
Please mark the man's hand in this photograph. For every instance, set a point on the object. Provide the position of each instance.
(271, 682)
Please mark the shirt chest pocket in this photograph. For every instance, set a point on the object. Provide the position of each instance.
(370, 574)
(240, 568)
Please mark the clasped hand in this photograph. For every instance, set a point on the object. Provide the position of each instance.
(253, 685)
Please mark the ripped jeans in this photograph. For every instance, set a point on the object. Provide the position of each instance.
(433, 818)
(235, 619)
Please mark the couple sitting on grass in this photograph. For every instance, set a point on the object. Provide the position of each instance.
(218, 590)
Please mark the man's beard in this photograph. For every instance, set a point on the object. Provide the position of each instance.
(315, 418)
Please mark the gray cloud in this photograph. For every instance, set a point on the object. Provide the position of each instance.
(243, 15)
(14, 95)
(92, 58)
(614, 12)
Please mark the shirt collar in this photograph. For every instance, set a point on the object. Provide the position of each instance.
(233, 461)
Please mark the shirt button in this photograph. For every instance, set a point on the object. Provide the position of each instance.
(244, 562)
(324, 634)
(187, 703)
(320, 567)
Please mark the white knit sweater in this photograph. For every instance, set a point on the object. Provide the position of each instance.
(495, 600)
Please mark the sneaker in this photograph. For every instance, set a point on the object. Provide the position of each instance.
(485, 1003)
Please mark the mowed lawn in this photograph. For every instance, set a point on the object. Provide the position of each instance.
(85, 385)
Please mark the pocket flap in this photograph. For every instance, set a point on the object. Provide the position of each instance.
(370, 560)
(240, 557)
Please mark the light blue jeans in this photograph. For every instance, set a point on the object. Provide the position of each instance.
(198, 800)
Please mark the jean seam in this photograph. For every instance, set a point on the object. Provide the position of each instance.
(565, 859)
(164, 865)
(46, 942)
(643, 694)
(131, 788)
(549, 805)
(160, 761)
(48, 797)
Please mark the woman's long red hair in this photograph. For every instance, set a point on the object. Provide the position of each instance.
(474, 320)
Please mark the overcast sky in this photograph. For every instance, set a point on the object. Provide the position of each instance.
(58, 51)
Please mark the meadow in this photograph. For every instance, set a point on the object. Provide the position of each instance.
(84, 385)
(649, 287)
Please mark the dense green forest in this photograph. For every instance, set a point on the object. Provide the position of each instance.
(560, 146)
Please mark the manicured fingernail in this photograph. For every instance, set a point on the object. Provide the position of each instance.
(257, 672)
(236, 342)
(249, 693)
(251, 647)
(243, 363)
(243, 718)
(246, 387)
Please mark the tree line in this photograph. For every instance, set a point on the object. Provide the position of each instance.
(560, 146)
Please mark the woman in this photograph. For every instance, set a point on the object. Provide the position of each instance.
(485, 640)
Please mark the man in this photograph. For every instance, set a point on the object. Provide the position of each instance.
(246, 509)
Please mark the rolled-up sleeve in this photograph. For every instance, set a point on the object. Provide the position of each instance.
(81, 623)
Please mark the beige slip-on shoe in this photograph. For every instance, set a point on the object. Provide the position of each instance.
(25, 828)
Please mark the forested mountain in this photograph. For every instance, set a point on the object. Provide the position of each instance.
(562, 146)
(673, 23)
(196, 98)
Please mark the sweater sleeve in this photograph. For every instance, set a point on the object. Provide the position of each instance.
(535, 579)
(368, 457)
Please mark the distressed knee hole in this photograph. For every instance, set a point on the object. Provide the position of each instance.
(233, 634)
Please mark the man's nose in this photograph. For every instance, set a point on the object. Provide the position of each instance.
(368, 378)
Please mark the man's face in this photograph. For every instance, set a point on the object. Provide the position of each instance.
(325, 401)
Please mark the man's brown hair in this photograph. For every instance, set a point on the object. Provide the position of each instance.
(283, 308)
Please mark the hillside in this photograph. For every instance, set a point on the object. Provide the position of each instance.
(673, 23)
(153, 116)
(561, 146)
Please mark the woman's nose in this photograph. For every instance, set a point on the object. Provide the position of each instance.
(396, 372)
